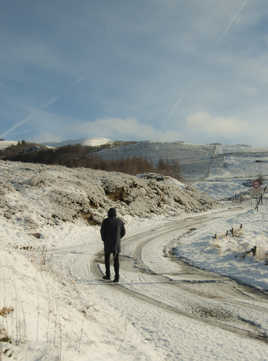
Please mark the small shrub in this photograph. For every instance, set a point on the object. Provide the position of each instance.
(4, 311)
(4, 336)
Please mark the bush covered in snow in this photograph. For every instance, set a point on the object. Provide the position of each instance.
(34, 194)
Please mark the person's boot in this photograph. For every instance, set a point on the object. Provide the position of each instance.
(116, 279)
(106, 277)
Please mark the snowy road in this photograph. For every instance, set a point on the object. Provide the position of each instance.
(170, 303)
(54, 305)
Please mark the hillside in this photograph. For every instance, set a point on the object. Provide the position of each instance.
(199, 162)
(34, 195)
(191, 162)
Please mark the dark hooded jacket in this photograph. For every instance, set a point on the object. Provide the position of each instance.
(112, 230)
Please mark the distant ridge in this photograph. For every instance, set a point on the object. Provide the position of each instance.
(197, 162)
(83, 141)
(65, 142)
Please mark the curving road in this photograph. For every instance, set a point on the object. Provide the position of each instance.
(168, 300)
(194, 293)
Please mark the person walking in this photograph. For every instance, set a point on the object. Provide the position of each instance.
(112, 230)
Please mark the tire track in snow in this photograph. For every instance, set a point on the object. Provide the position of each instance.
(208, 313)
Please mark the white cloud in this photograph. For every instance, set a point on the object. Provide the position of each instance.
(215, 125)
(47, 126)
(47, 137)
(126, 128)
(42, 124)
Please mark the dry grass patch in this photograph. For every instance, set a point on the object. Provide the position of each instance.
(4, 336)
(4, 311)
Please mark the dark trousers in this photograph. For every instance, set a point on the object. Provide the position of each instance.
(107, 257)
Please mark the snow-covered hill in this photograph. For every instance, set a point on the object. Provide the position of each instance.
(199, 162)
(93, 142)
(34, 195)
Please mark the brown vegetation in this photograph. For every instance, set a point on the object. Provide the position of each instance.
(4, 311)
(85, 156)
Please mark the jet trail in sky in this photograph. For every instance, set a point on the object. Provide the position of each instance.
(27, 118)
(234, 19)
(174, 106)
(51, 101)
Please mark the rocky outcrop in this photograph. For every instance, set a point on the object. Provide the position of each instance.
(34, 194)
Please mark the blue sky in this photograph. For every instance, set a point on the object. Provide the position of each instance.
(134, 70)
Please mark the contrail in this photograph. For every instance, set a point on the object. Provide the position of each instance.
(173, 107)
(17, 125)
(29, 117)
(234, 19)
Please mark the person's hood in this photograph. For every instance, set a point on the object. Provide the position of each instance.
(112, 212)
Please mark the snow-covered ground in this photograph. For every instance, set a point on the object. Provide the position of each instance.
(226, 254)
(53, 305)
(94, 142)
(221, 189)
(7, 143)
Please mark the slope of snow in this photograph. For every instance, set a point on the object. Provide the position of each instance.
(84, 141)
(226, 254)
(199, 162)
(222, 189)
(243, 166)
(94, 142)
